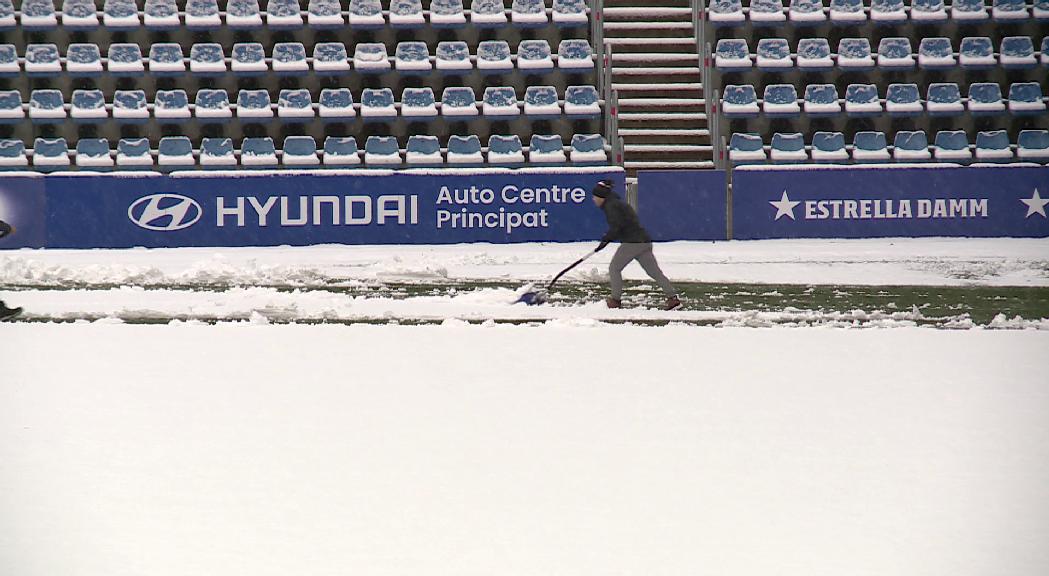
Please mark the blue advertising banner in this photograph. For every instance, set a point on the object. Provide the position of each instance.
(891, 201)
(682, 204)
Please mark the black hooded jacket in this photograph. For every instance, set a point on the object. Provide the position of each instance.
(623, 225)
(5, 229)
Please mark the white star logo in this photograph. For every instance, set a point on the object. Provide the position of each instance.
(785, 206)
(1035, 205)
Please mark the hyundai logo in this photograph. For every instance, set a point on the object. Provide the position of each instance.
(164, 212)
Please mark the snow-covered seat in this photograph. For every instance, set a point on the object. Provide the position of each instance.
(806, 12)
(888, 11)
(952, 146)
(574, 54)
(166, 59)
(814, 54)
(968, 10)
(38, 15)
(774, 54)
(465, 150)
(366, 14)
(50, 154)
(1025, 98)
(295, 105)
(911, 146)
(1017, 52)
(125, 59)
(504, 150)
(928, 11)
(258, 153)
(500, 101)
(587, 149)
(767, 12)
(423, 150)
(1009, 10)
(340, 151)
(569, 13)
(528, 13)
(746, 148)
(788, 148)
(336, 105)
(868, 146)
(83, 60)
(993, 146)
(855, 54)
(174, 153)
(202, 14)
(944, 99)
(895, 54)
(732, 55)
(289, 59)
(324, 14)
(243, 15)
(212, 105)
(740, 101)
(330, 59)
(9, 65)
(207, 59)
(1033, 145)
(487, 13)
(134, 154)
(534, 56)
(7, 15)
(371, 58)
(821, 100)
(493, 57)
(726, 13)
(1040, 10)
(418, 104)
(382, 151)
(161, 15)
(903, 100)
(412, 58)
(829, 147)
(847, 12)
(171, 106)
(406, 14)
(861, 100)
(781, 100)
(42, 60)
(248, 59)
(453, 57)
(546, 149)
(217, 154)
(299, 151)
(447, 14)
(976, 52)
(94, 154)
(79, 14)
(377, 105)
(283, 14)
(582, 102)
(936, 54)
(1044, 58)
(11, 107)
(46, 106)
(540, 102)
(88, 107)
(254, 106)
(130, 107)
(985, 99)
(12, 155)
(458, 101)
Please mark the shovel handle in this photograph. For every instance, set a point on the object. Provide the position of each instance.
(573, 265)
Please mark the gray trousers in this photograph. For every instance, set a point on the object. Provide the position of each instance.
(642, 252)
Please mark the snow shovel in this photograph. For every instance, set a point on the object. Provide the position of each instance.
(534, 297)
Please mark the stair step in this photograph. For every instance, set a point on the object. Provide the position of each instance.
(666, 148)
(683, 41)
(655, 57)
(646, 165)
(611, 26)
(666, 86)
(662, 116)
(664, 71)
(660, 102)
(664, 132)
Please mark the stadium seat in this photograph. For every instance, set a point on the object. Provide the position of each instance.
(911, 146)
(503, 150)
(11, 107)
(79, 14)
(299, 151)
(453, 57)
(38, 15)
(781, 100)
(587, 149)
(50, 154)
(528, 13)
(976, 52)
(788, 148)
(861, 100)
(129, 107)
(418, 104)
(134, 154)
(289, 59)
(952, 146)
(459, 102)
(773, 54)
(412, 58)
(336, 105)
(534, 56)
(46, 107)
(821, 100)
(493, 57)
(366, 14)
(740, 101)
(248, 59)
(993, 146)
(207, 59)
(42, 60)
(254, 106)
(241, 15)
(340, 151)
(732, 55)
(540, 102)
(258, 153)
(928, 11)
(125, 60)
(161, 15)
(381, 151)
(371, 58)
(1033, 145)
(854, 54)
(829, 147)
(324, 14)
(171, 106)
(968, 10)
(283, 14)
(985, 99)
(546, 149)
(217, 154)
(7, 15)
(1009, 10)
(487, 13)
(766, 12)
(9, 61)
(944, 99)
(406, 14)
(295, 105)
(806, 12)
(1017, 53)
(166, 59)
(936, 54)
(499, 101)
(814, 54)
(870, 147)
(330, 59)
(447, 14)
(574, 55)
(1040, 11)
(1044, 58)
(202, 14)
(903, 100)
(726, 13)
(569, 13)
(582, 102)
(377, 105)
(746, 149)
(88, 107)
(847, 12)
(174, 153)
(423, 150)
(12, 155)
(83, 60)
(465, 150)
(1025, 98)
(888, 11)
(895, 53)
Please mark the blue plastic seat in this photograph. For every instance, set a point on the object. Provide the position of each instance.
(903, 100)
(366, 14)
(936, 54)
(377, 105)
(88, 107)
(447, 14)
(207, 59)
(258, 153)
(1009, 10)
(976, 52)
(500, 101)
(458, 101)
(7, 15)
(928, 11)
(726, 13)
(587, 149)
(746, 148)
(50, 154)
(171, 106)
(42, 60)
(1017, 53)
(732, 55)
(83, 60)
(9, 65)
(11, 107)
(202, 14)
(870, 147)
(1025, 98)
(788, 148)
(895, 54)
(418, 104)
(855, 54)
(283, 14)
(465, 150)
(493, 57)
(212, 105)
(993, 146)
(299, 151)
(575, 55)
(130, 107)
(911, 146)
(371, 58)
(453, 57)
(423, 150)
(382, 151)
(861, 100)
(582, 102)
(821, 100)
(1044, 58)
(533, 56)
(330, 59)
(952, 146)
(134, 154)
(740, 101)
(528, 13)
(412, 58)
(166, 59)
(503, 150)
(161, 15)
(774, 54)
(540, 102)
(254, 106)
(569, 13)
(324, 14)
(847, 12)
(248, 59)
(944, 99)
(985, 99)
(243, 15)
(46, 107)
(829, 147)
(289, 59)
(340, 151)
(1040, 11)
(295, 105)
(888, 11)
(175, 153)
(781, 100)
(38, 15)
(336, 105)
(814, 54)
(406, 14)
(1033, 145)
(803, 12)
(12, 155)
(767, 12)
(968, 10)
(217, 154)
(487, 13)
(79, 15)
(546, 149)
(125, 60)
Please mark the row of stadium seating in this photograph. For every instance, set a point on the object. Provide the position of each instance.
(908, 146)
(177, 153)
(851, 12)
(861, 100)
(287, 14)
(296, 105)
(289, 58)
(934, 53)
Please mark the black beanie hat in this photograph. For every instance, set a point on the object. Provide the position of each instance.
(603, 188)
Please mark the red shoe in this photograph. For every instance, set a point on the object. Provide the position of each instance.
(673, 303)
(613, 303)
